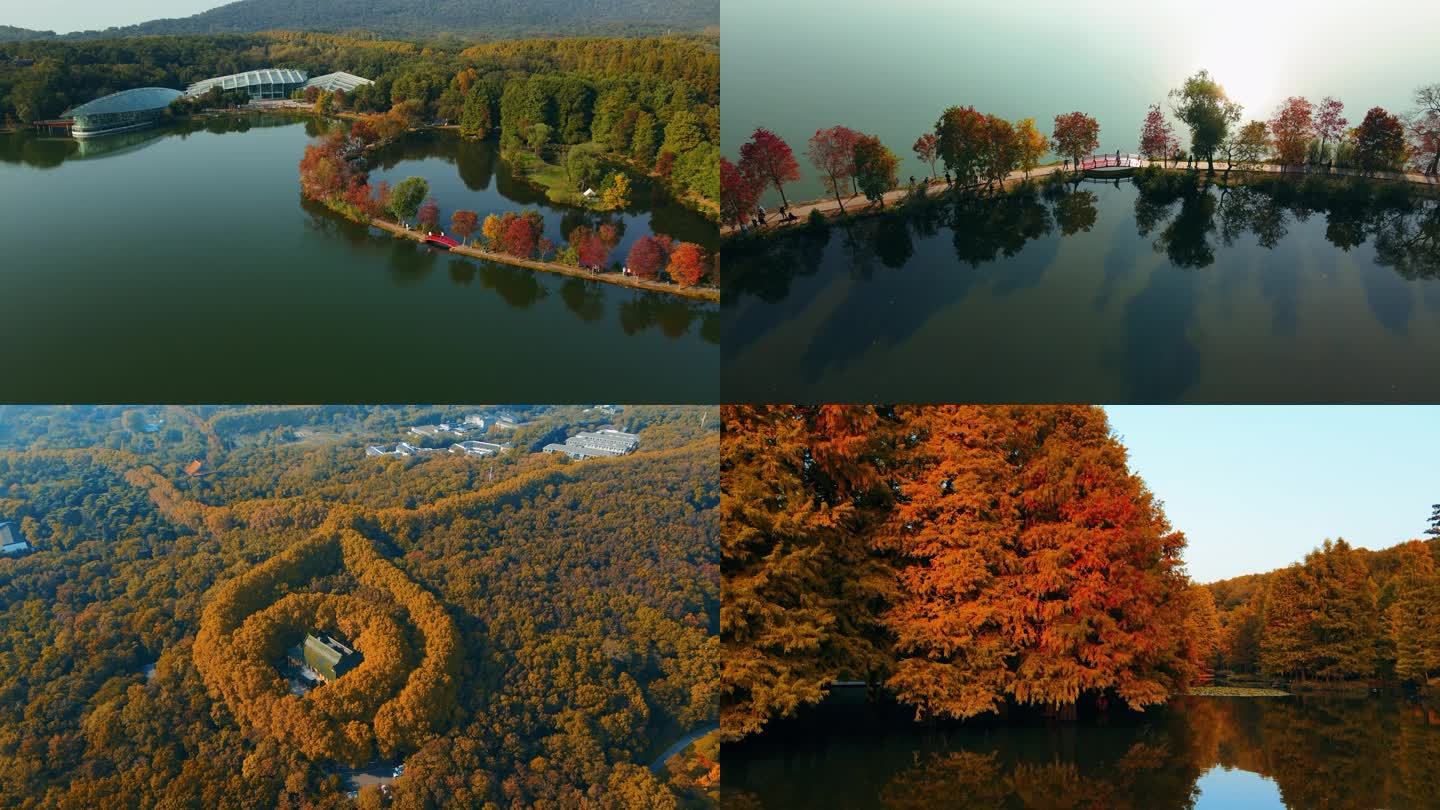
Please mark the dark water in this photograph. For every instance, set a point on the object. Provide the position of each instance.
(1098, 292)
(1204, 753)
(182, 265)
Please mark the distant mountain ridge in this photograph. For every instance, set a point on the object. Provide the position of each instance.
(461, 17)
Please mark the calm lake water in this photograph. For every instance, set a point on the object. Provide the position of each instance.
(1097, 292)
(1201, 753)
(891, 68)
(181, 264)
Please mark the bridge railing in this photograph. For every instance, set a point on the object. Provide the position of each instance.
(1104, 161)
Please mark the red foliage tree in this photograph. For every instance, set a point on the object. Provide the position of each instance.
(767, 159)
(687, 264)
(646, 257)
(738, 194)
(545, 248)
(927, 148)
(521, 238)
(665, 164)
(1076, 135)
(1330, 122)
(1291, 130)
(464, 223)
(429, 216)
(590, 249)
(1157, 137)
(832, 152)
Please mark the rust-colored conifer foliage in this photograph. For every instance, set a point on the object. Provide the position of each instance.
(965, 557)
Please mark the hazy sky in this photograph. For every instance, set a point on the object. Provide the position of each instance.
(1255, 488)
(64, 16)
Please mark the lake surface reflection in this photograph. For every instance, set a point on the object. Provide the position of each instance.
(1138, 290)
(181, 264)
(1196, 752)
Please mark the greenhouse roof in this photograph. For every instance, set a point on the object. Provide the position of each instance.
(251, 78)
(133, 100)
(339, 80)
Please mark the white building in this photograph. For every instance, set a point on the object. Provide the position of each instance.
(590, 444)
(9, 542)
(480, 449)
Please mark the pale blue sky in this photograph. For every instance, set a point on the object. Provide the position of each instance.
(1255, 488)
(86, 15)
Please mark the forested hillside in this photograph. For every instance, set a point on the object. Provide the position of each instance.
(484, 18)
(535, 630)
(9, 33)
(1343, 614)
(965, 559)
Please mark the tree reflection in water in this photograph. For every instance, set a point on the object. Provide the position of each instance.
(1321, 752)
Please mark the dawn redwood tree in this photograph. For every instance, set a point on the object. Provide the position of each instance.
(1321, 618)
(1415, 618)
(1291, 129)
(646, 257)
(493, 230)
(1076, 135)
(464, 224)
(428, 217)
(1157, 137)
(832, 153)
(1032, 566)
(1330, 122)
(687, 264)
(1379, 141)
(927, 148)
(738, 194)
(801, 493)
(1202, 105)
(875, 168)
(962, 142)
(1031, 144)
(767, 160)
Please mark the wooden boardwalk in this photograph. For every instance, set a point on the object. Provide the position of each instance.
(857, 204)
(711, 294)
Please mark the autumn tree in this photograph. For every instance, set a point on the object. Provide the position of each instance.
(1002, 151)
(800, 495)
(1415, 616)
(1076, 135)
(646, 256)
(1291, 129)
(464, 224)
(493, 230)
(1425, 129)
(875, 168)
(590, 249)
(1031, 144)
(406, 196)
(1379, 141)
(1330, 123)
(767, 160)
(428, 216)
(520, 238)
(962, 142)
(687, 264)
(1032, 566)
(832, 152)
(1202, 105)
(738, 194)
(927, 148)
(615, 194)
(1320, 617)
(1157, 137)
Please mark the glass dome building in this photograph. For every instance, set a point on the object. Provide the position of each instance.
(266, 83)
(121, 112)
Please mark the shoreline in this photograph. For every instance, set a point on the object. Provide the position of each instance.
(858, 206)
(709, 294)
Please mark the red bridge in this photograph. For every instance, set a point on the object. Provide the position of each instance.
(440, 239)
(1115, 161)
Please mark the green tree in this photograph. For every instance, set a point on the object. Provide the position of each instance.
(475, 121)
(1202, 105)
(406, 197)
(875, 168)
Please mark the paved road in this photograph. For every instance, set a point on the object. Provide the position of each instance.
(659, 764)
(856, 203)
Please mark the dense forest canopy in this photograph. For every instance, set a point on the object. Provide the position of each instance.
(968, 559)
(470, 18)
(1343, 614)
(535, 630)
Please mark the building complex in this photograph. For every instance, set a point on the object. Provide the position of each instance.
(120, 112)
(589, 444)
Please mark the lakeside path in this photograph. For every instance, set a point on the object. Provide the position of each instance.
(858, 205)
(698, 293)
